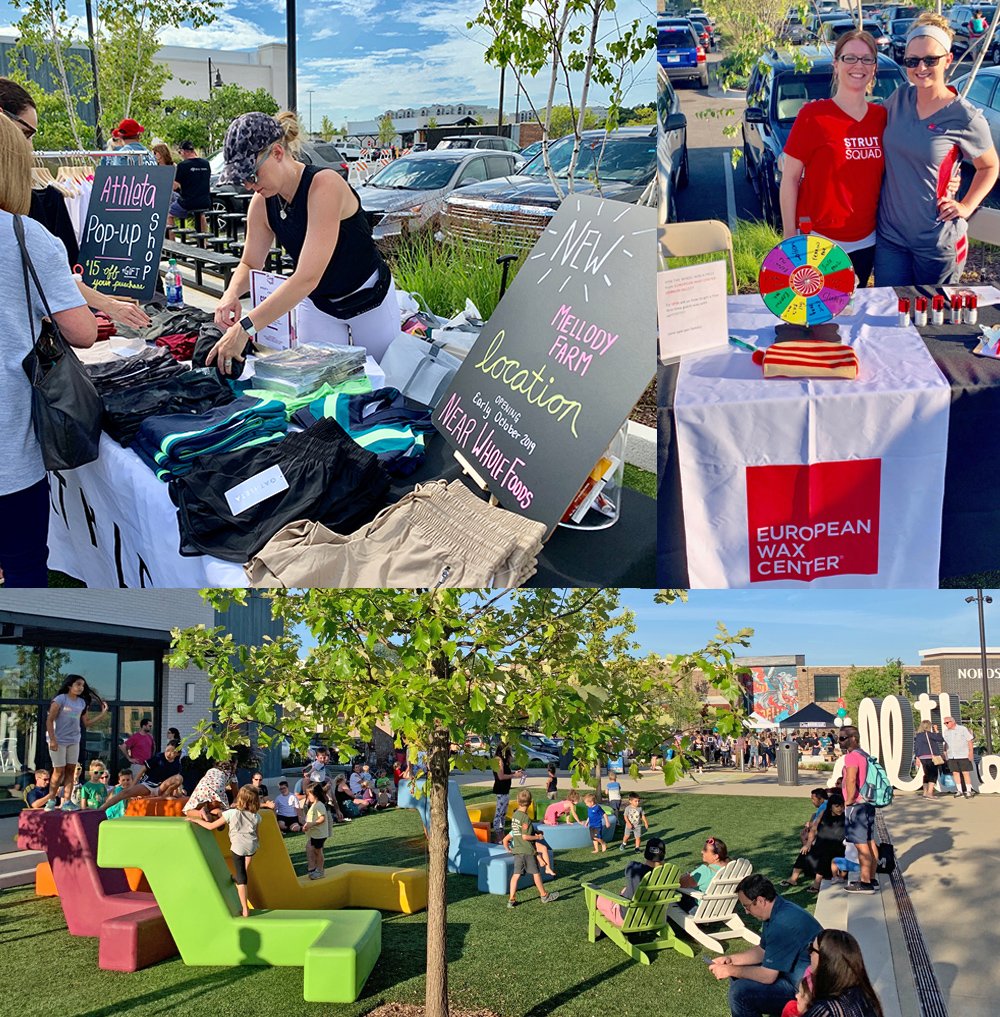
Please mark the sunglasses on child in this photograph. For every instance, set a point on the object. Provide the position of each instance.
(927, 61)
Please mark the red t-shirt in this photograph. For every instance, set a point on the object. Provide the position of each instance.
(843, 168)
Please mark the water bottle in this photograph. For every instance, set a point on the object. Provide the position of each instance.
(173, 283)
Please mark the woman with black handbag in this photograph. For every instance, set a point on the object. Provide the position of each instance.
(929, 751)
(24, 491)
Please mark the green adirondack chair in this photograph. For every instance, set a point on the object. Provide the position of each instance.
(646, 913)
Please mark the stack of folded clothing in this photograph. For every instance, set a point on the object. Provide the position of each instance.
(384, 422)
(295, 403)
(105, 326)
(146, 367)
(170, 444)
(440, 534)
(305, 368)
(315, 474)
(174, 321)
(191, 392)
(180, 345)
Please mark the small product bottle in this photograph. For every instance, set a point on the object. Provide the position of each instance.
(937, 310)
(173, 284)
(972, 309)
(955, 318)
(904, 312)
(524, 777)
(920, 312)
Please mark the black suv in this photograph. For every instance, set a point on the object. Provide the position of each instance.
(775, 94)
(960, 20)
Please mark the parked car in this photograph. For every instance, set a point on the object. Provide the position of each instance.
(893, 12)
(959, 20)
(985, 94)
(831, 31)
(776, 92)
(318, 153)
(679, 52)
(793, 31)
(816, 21)
(672, 149)
(704, 30)
(514, 211)
(406, 196)
(530, 151)
(897, 37)
(537, 758)
(489, 141)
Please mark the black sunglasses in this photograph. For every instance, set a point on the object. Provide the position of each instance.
(843, 738)
(927, 61)
(26, 129)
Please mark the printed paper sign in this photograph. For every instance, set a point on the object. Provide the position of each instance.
(691, 309)
(562, 361)
(278, 335)
(123, 232)
(810, 522)
(256, 489)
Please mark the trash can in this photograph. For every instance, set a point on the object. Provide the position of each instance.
(788, 763)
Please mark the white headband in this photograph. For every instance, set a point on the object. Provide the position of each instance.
(932, 32)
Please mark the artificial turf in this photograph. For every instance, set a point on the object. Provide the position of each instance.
(532, 961)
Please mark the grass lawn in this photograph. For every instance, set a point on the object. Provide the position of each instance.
(530, 962)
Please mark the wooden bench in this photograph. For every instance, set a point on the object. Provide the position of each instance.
(217, 263)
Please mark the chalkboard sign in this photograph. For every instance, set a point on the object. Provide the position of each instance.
(123, 232)
(562, 361)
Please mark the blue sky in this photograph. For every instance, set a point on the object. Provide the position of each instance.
(831, 627)
(362, 57)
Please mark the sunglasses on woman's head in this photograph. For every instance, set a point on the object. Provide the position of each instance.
(850, 58)
(26, 129)
(927, 61)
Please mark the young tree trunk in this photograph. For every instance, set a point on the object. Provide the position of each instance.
(436, 1002)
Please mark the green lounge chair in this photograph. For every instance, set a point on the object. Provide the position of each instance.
(646, 913)
(189, 878)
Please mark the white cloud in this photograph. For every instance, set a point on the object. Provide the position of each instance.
(227, 32)
(324, 33)
(358, 11)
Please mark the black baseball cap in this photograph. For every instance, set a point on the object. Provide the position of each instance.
(187, 146)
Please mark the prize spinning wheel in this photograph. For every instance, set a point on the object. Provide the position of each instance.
(806, 280)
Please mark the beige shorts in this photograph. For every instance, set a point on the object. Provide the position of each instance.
(439, 534)
(65, 755)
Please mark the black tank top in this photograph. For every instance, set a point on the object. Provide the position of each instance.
(355, 258)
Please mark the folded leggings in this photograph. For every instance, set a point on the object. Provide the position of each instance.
(330, 478)
(439, 534)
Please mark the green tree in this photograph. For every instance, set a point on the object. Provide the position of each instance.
(564, 119)
(874, 682)
(205, 121)
(565, 37)
(973, 717)
(432, 123)
(434, 665)
(326, 129)
(386, 130)
(55, 128)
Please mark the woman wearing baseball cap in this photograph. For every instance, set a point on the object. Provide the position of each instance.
(127, 135)
(317, 217)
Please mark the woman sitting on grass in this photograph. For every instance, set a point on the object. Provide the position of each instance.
(824, 845)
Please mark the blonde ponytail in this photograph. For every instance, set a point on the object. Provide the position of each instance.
(289, 123)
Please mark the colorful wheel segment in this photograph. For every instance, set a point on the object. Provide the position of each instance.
(806, 280)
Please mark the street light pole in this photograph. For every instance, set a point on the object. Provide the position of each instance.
(293, 101)
(980, 599)
(93, 68)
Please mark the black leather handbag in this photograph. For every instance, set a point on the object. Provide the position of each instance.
(65, 407)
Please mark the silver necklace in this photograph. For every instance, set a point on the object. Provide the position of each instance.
(286, 205)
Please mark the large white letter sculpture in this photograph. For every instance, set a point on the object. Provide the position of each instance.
(886, 729)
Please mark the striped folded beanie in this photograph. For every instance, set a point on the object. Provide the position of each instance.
(809, 359)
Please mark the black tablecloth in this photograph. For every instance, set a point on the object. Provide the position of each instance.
(622, 555)
(970, 525)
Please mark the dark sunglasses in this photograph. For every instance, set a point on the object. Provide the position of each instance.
(843, 738)
(927, 61)
(26, 129)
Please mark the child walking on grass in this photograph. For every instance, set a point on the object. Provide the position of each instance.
(317, 826)
(242, 819)
(597, 820)
(521, 843)
(635, 820)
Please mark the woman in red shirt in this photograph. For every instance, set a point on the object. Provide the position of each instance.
(833, 162)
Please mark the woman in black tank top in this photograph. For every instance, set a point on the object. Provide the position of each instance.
(317, 217)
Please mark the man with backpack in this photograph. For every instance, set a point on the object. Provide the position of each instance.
(859, 812)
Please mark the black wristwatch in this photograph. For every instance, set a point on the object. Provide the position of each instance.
(247, 325)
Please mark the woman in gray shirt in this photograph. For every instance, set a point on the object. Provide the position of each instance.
(921, 236)
(24, 489)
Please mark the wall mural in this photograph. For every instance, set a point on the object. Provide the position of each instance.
(775, 692)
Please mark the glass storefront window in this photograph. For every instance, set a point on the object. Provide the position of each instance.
(100, 670)
(18, 671)
(96, 742)
(19, 746)
(138, 680)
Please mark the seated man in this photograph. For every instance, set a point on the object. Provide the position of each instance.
(357, 779)
(287, 809)
(36, 796)
(764, 978)
(160, 776)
